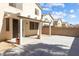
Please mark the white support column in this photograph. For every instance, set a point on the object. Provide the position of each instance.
(49, 28)
(20, 31)
(39, 30)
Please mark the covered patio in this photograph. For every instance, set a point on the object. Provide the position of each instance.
(39, 31)
(20, 32)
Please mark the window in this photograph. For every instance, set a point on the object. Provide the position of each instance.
(36, 11)
(7, 24)
(46, 19)
(31, 25)
(34, 25)
(28, 16)
(35, 17)
(12, 4)
(16, 5)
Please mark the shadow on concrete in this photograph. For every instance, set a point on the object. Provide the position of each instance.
(74, 51)
(39, 49)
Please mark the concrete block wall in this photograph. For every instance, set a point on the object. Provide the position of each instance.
(62, 31)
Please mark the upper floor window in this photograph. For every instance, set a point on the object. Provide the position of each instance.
(12, 4)
(28, 16)
(46, 19)
(36, 11)
(16, 5)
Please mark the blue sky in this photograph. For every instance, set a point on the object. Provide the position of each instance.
(69, 12)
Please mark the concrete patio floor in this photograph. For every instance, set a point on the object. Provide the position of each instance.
(53, 39)
(54, 45)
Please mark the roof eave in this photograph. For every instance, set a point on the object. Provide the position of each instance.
(38, 5)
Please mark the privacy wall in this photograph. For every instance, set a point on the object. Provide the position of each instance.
(61, 31)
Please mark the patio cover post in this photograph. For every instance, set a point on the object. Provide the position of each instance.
(50, 28)
(39, 30)
(20, 30)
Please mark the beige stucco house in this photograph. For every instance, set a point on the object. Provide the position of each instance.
(57, 23)
(65, 24)
(19, 19)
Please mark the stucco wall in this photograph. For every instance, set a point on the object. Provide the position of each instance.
(29, 10)
(4, 34)
(2, 26)
(62, 31)
(26, 29)
(5, 7)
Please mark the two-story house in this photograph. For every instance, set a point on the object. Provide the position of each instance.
(19, 19)
(65, 24)
(57, 23)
